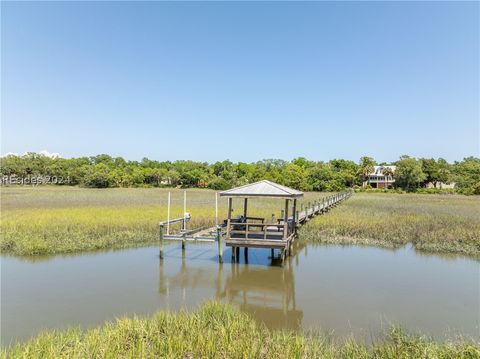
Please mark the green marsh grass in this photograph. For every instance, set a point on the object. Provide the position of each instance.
(434, 223)
(52, 220)
(222, 331)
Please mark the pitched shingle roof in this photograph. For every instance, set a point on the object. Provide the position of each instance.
(262, 189)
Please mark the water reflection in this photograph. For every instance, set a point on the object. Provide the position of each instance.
(265, 292)
(267, 295)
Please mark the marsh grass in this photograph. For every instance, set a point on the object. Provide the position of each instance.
(221, 331)
(435, 223)
(52, 220)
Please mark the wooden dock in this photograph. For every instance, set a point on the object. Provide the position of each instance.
(246, 232)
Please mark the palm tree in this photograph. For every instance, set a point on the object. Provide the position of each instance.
(367, 166)
(387, 172)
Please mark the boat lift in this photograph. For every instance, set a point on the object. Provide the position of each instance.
(200, 234)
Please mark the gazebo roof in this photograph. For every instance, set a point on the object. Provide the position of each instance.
(262, 189)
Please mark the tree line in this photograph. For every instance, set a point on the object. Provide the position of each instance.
(104, 171)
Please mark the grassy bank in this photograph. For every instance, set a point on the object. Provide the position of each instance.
(437, 223)
(221, 331)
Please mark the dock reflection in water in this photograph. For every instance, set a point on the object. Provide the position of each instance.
(266, 292)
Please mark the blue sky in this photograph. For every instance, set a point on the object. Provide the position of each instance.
(243, 81)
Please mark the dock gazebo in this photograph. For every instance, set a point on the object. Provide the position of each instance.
(245, 231)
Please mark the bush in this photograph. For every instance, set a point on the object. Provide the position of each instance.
(435, 191)
(219, 184)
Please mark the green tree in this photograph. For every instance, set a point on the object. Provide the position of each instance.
(388, 173)
(409, 174)
(467, 175)
(444, 174)
(294, 176)
(435, 171)
(366, 166)
(97, 176)
(103, 158)
(346, 170)
(319, 176)
(218, 183)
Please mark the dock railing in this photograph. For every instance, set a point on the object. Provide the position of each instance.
(256, 228)
(321, 205)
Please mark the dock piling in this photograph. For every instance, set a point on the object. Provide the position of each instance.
(161, 241)
(219, 240)
(168, 214)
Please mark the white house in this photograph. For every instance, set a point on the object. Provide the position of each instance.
(377, 179)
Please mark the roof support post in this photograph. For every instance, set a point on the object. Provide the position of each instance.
(294, 215)
(285, 220)
(245, 205)
(229, 216)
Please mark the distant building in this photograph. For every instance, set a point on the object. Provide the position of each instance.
(440, 185)
(382, 177)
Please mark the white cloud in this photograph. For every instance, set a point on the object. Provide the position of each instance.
(44, 152)
(10, 154)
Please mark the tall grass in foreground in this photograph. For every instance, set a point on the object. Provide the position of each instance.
(439, 223)
(221, 331)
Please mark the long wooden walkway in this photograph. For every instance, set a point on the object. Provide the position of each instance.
(321, 206)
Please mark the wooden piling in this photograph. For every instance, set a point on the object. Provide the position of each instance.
(184, 210)
(297, 219)
(219, 241)
(168, 214)
(161, 241)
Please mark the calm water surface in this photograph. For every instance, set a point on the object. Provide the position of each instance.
(343, 290)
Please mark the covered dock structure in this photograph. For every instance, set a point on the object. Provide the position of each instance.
(247, 231)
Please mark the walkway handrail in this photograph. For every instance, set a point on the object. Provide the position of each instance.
(321, 204)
